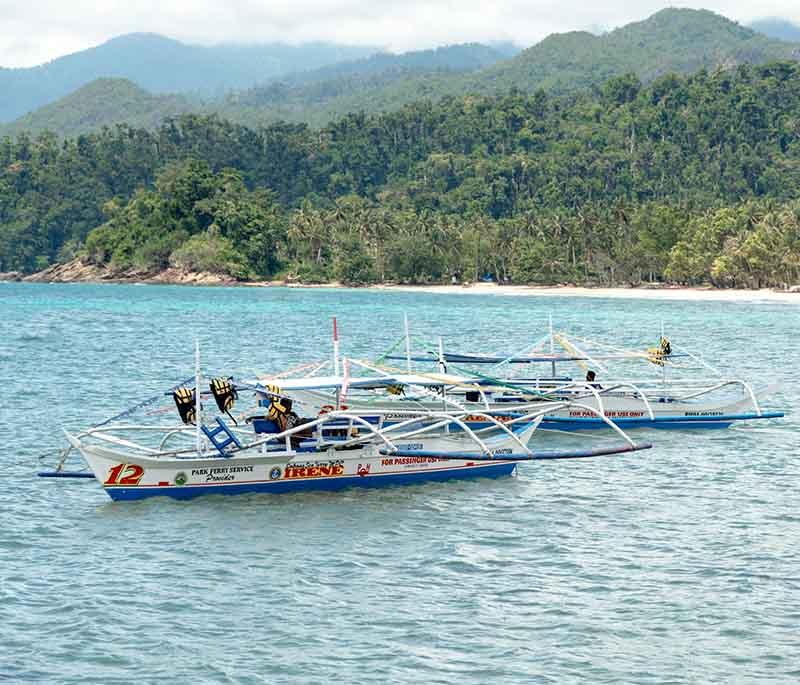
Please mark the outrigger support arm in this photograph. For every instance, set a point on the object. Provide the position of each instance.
(637, 390)
(743, 384)
(436, 420)
(699, 360)
(447, 419)
(561, 405)
(520, 352)
(533, 456)
(360, 421)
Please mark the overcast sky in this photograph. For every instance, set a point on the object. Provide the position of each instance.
(34, 31)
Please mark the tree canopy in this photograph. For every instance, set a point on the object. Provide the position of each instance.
(689, 179)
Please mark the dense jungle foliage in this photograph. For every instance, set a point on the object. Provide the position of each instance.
(687, 179)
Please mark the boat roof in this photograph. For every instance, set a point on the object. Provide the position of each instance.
(367, 382)
(459, 358)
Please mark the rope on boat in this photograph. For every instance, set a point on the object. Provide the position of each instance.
(143, 403)
(504, 383)
(630, 354)
(40, 459)
(700, 361)
(391, 349)
(64, 453)
(313, 366)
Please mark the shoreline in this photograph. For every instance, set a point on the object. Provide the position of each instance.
(664, 293)
(645, 292)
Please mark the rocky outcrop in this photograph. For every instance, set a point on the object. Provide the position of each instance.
(74, 270)
(181, 277)
(78, 271)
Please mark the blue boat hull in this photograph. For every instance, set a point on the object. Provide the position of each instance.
(323, 484)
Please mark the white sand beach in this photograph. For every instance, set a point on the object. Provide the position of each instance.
(659, 293)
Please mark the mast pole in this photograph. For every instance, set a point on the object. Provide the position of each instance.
(443, 370)
(198, 419)
(552, 346)
(663, 360)
(336, 362)
(408, 344)
(335, 348)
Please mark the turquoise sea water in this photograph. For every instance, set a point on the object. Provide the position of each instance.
(681, 564)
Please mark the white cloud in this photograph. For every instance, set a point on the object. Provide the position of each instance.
(35, 31)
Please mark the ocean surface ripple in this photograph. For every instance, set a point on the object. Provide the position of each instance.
(676, 565)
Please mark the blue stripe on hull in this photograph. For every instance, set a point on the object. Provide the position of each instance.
(663, 422)
(339, 483)
(565, 423)
(625, 424)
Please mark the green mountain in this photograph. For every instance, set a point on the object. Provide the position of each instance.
(319, 95)
(461, 57)
(777, 28)
(315, 96)
(673, 40)
(99, 103)
(163, 65)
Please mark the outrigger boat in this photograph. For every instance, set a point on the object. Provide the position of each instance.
(630, 403)
(269, 449)
(581, 405)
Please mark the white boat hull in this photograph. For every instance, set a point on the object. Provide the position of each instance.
(623, 409)
(132, 477)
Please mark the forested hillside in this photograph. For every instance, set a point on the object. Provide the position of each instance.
(687, 179)
(314, 96)
(163, 65)
(671, 41)
(98, 103)
(317, 96)
(462, 57)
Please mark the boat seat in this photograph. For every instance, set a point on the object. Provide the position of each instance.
(262, 425)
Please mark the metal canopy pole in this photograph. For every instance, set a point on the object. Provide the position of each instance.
(408, 344)
(198, 418)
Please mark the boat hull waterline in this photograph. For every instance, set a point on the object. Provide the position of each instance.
(135, 479)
